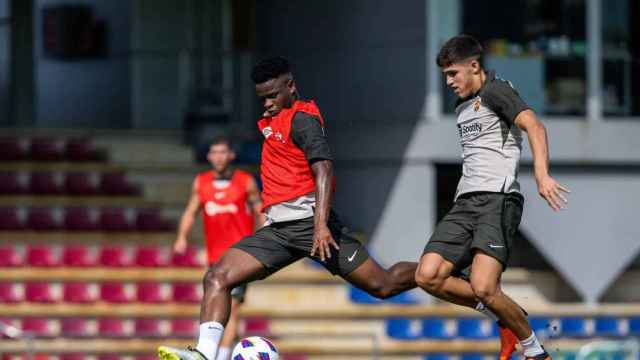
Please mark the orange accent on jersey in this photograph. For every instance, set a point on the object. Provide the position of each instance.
(227, 216)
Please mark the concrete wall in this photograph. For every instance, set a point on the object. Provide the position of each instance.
(5, 63)
(92, 93)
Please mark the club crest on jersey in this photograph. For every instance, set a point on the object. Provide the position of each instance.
(476, 105)
(267, 132)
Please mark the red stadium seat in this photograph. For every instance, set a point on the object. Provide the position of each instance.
(11, 183)
(81, 219)
(41, 256)
(112, 327)
(109, 357)
(78, 256)
(113, 256)
(46, 183)
(186, 292)
(81, 183)
(190, 258)
(151, 220)
(9, 293)
(116, 183)
(76, 327)
(40, 327)
(13, 149)
(44, 219)
(150, 256)
(114, 292)
(184, 328)
(78, 292)
(115, 219)
(82, 149)
(150, 292)
(257, 325)
(72, 356)
(9, 257)
(46, 149)
(39, 292)
(146, 357)
(148, 328)
(12, 218)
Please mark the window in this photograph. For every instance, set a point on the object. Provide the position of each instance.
(540, 47)
(620, 54)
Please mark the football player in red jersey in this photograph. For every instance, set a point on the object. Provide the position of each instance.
(230, 205)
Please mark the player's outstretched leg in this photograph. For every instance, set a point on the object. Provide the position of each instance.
(381, 283)
(234, 268)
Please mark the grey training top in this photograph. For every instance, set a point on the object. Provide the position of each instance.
(491, 142)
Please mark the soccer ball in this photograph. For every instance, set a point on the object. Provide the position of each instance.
(255, 348)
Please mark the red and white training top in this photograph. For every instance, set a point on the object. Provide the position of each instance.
(226, 213)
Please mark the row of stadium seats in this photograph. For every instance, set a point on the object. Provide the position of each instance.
(77, 356)
(108, 255)
(113, 292)
(83, 219)
(434, 356)
(480, 328)
(113, 327)
(49, 149)
(71, 183)
(75, 327)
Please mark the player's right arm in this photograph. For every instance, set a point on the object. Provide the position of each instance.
(187, 219)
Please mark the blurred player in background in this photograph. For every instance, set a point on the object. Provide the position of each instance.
(230, 204)
(478, 231)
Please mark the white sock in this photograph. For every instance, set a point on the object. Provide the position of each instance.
(209, 338)
(531, 345)
(223, 353)
(485, 310)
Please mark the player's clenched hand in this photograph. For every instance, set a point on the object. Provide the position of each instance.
(322, 242)
(553, 192)
(180, 246)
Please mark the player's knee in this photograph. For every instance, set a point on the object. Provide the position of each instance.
(484, 291)
(428, 280)
(216, 278)
(379, 290)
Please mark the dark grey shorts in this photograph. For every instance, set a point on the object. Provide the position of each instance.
(239, 292)
(283, 243)
(483, 221)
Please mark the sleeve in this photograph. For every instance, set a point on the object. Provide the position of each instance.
(309, 135)
(504, 100)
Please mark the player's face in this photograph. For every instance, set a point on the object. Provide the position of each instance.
(459, 77)
(276, 94)
(220, 156)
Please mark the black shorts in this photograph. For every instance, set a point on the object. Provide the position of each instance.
(282, 243)
(239, 292)
(482, 220)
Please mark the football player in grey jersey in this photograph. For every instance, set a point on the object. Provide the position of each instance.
(478, 231)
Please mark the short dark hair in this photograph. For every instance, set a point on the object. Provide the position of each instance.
(222, 140)
(270, 68)
(460, 48)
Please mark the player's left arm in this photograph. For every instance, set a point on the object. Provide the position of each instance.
(548, 187)
(253, 198)
(309, 135)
